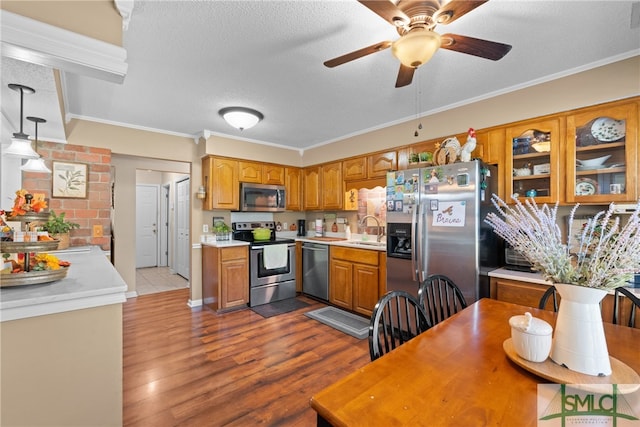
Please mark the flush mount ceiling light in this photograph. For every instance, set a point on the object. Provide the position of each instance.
(20, 144)
(240, 117)
(416, 47)
(36, 165)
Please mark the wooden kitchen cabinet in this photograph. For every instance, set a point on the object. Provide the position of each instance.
(260, 173)
(220, 177)
(250, 172)
(225, 277)
(532, 162)
(517, 292)
(375, 165)
(354, 169)
(378, 164)
(293, 186)
(609, 133)
(273, 174)
(312, 194)
(528, 294)
(356, 278)
(332, 186)
(494, 145)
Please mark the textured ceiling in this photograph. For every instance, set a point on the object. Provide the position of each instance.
(188, 59)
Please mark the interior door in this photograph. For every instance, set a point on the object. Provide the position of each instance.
(183, 242)
(146, 226)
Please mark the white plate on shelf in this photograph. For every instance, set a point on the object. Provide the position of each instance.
(586, 187)
(606, 129)
(590, 168)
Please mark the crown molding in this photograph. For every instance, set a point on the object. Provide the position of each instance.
(28, 40)
(125, 7)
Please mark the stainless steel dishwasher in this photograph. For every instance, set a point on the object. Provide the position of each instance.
(315, 267)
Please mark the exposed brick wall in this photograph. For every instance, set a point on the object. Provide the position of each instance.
(96, 208)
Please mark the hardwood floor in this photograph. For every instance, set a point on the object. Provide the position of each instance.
(194, 367)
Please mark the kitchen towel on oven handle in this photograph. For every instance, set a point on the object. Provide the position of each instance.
(275, 256)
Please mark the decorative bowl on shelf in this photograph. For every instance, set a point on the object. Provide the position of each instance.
(521, 172)
(596, 163)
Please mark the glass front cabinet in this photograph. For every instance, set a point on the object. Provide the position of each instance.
(601, 155)
(533, 161)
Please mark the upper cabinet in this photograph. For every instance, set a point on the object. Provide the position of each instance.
(323, 187)
(293, 185)
(220, 177)
(312, 188)
(368, 167)
(602, 154)
(332, 186)
(534, 160)
(260, 173)
(379, 164)
(355, 168)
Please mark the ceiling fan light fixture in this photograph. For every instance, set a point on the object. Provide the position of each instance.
(241, 117)
(416, 47)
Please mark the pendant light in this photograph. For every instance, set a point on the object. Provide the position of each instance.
(36, 165)
(20, 144)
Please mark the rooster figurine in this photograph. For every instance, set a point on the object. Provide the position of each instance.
(469, 146)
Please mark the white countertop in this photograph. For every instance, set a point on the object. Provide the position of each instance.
(355, 242)
(523, 276)
(504, 273)
(224, 243)
(92, 281)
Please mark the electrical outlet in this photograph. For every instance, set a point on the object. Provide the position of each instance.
(97, 230)
(205, 228)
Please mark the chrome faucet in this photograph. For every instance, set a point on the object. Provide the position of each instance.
(363, 223)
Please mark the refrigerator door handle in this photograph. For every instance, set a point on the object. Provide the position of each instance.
(419, 242)
(414, 246)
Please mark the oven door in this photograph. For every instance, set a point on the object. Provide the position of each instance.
(260, 275)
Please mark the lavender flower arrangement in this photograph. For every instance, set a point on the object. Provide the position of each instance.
(607, 256)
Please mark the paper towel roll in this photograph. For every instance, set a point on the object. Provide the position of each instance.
(318, 228)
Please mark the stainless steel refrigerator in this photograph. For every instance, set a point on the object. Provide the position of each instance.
(435, 226)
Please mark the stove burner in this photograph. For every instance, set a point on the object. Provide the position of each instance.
(244, 231)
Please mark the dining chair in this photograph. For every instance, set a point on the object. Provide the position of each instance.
(634, 305)
(440, 297)
(397, 318)
(549, 293)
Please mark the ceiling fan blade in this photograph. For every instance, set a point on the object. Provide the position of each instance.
(477, 47)
(455, 9)
(357, 54)
(405, 76)
(386, 10)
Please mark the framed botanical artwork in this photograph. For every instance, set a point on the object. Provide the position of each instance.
(69, 180)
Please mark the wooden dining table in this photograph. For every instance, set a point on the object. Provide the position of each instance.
(455, 374)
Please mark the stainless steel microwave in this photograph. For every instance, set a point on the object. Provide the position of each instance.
(262, 197)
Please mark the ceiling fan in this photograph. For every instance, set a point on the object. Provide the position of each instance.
(415, 22)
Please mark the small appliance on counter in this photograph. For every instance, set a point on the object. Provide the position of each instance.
(513, 260)
(302, 227)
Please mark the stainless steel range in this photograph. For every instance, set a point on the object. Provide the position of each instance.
(272, 263)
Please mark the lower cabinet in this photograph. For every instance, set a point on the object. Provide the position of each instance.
(517, 292)
(225, 277)
(356, 278)
(529, 294)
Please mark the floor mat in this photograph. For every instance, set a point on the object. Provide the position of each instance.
(279, 307)
(346, 322)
